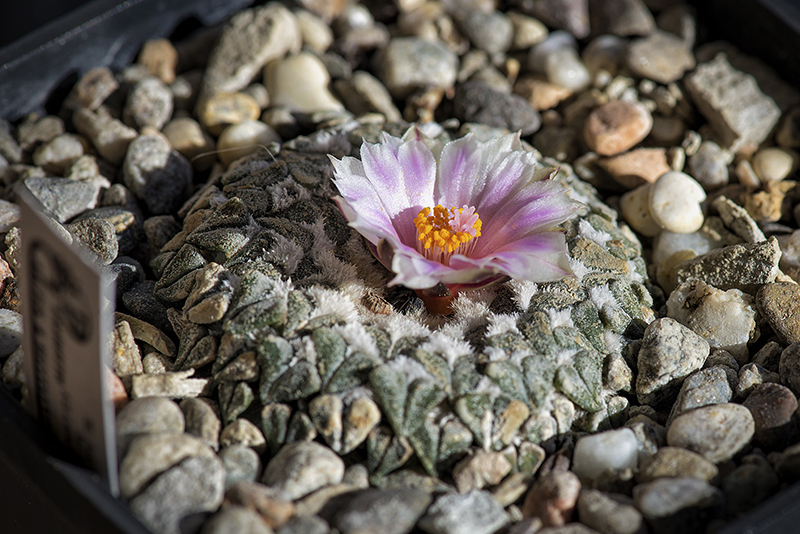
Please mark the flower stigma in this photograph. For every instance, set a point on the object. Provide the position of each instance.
(447, 232)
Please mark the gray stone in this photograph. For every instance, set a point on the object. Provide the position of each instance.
(569, 15)
(779, 304)
(752, 375)
(56, 155)
(62, 198)
(491, 32)
(709, 166)
(790, 367)
(661, 56)
(749, 485)
(305, 525)
(92, 89)
(108, 135)
(149, 104)
(408, 63)
(10, 332)
(195, 485)
(669, 353)
(718, 431)
(736, 218)
(389, 511)
(245, 433)
(147, 415)
(746, 267)
(621, 17)
(202, 421)
(476, 101)
(740, 114)
(302, 467)
(364, 93)
(707, 386)
(241, 463)
(156, 174)
(609, 513)
(475, 512)
(97, 236)
(677, 462)
(678, 504)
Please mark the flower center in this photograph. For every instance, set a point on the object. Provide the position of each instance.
(447, 232)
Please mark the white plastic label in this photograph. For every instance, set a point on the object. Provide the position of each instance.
(68, 321)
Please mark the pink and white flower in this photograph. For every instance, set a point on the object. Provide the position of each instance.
(465, 215)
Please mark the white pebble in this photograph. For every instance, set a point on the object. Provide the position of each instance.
(610, 451)
(790, 250)
(557, 57)
(774, 164)
(300, 83)
(239, 140)
(636, 211)
(675, 203)
(668, 243)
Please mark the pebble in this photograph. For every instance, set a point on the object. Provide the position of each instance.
(540, 93)
(475, 101)
(739, 113)
(604, 453)
(569, 15)
(175, 385)
(774, 164)
(617, 126)
(156, 174)
(749, 485)
(317, 36)
(709, 166)
(389, 511)
(10, 332)
(746, 267)
(243, 432)
(160, 58)
(125, 356)
(789, 367)
(195, 485)
(249, 40)
(678, 504)
(191, 141)
(609, 513)
(668, 354)
(475, 512)
(556, 57)
(773, 407)
(9, 148)
(660, 56)
(235, 519)
(635, 208)
(302, 467)
(492, 32)
(675, 203)
(718, 431)
(9, 215)
(527, 31)
(223, 109)
(726, 319)
(479, 470)
(409, 63)
(621, 17)
(97, 236)
(705, 387)
(364, 93)
(63, 198)
(152, 454)
(14, 371)
(108, 135)
(243, 139)
(305, 525)
(753, 374)
(147, 416)
(667, 243)
(552, 498)
(93, 88)
(778, 304)
(300, 83)
(272, 505)
(55, 147)
(202, 421)
(738, 220)
(149, 104)
(636, 167)
(677, 462)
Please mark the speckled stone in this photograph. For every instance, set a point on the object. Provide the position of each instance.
(661, 56)
(609, 513)
(156, 174)
(616, 127)
(779, 304)
(149, 104)
(709, 166)
(773, 407)
(717, 431)
(390, 511)
(475, 512)
(108, 135)
(408, 63)
(677, 462)
(705, 387)
(302, 467)
(235, 519)
(552, 498)
(678, 504)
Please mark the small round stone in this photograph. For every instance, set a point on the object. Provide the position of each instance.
(611, 451)
(245, 433)
(774, 164)
(674, 203)
(717, 432)
(491, 32)
(10, 332)
(409, 63)
(56, 155)
(97, 236)
(552, 498)
(239, 140)
(773, 407)
(241, 463)
(635, 208)
(302, 467)
(660, 56)
(156, 174)
(616, 127)
(236, 519)
(92, 89)
(779, 304)
(160, 58)
(476, 101)
(300, 83)
(676, 462)
(557, 58)
(527, 31)
(149, 104)
(669, 504)
(188, 138)
(609, 513)
(636, 167)
(317, 35)
(709, 166)
(224, 109)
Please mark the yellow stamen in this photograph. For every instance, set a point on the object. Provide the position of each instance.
(447, 231)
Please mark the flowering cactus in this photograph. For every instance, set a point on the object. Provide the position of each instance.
(462, 215)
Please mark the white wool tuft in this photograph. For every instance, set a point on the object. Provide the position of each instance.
(591, 233)
(500, 323)
(523, 290)
(331, 302)
(411, 368)
(284, 252)
(357, 339)
(560, 317)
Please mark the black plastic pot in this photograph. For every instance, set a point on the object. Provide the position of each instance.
(43, 488)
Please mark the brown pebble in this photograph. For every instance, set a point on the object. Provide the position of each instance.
(616, 127)
(540, 93)
(552, 498)
(160, 58)
(10, 297)
(224, 109)
(270, 503)
(773, 407)
(637, 167)
(779, 304)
